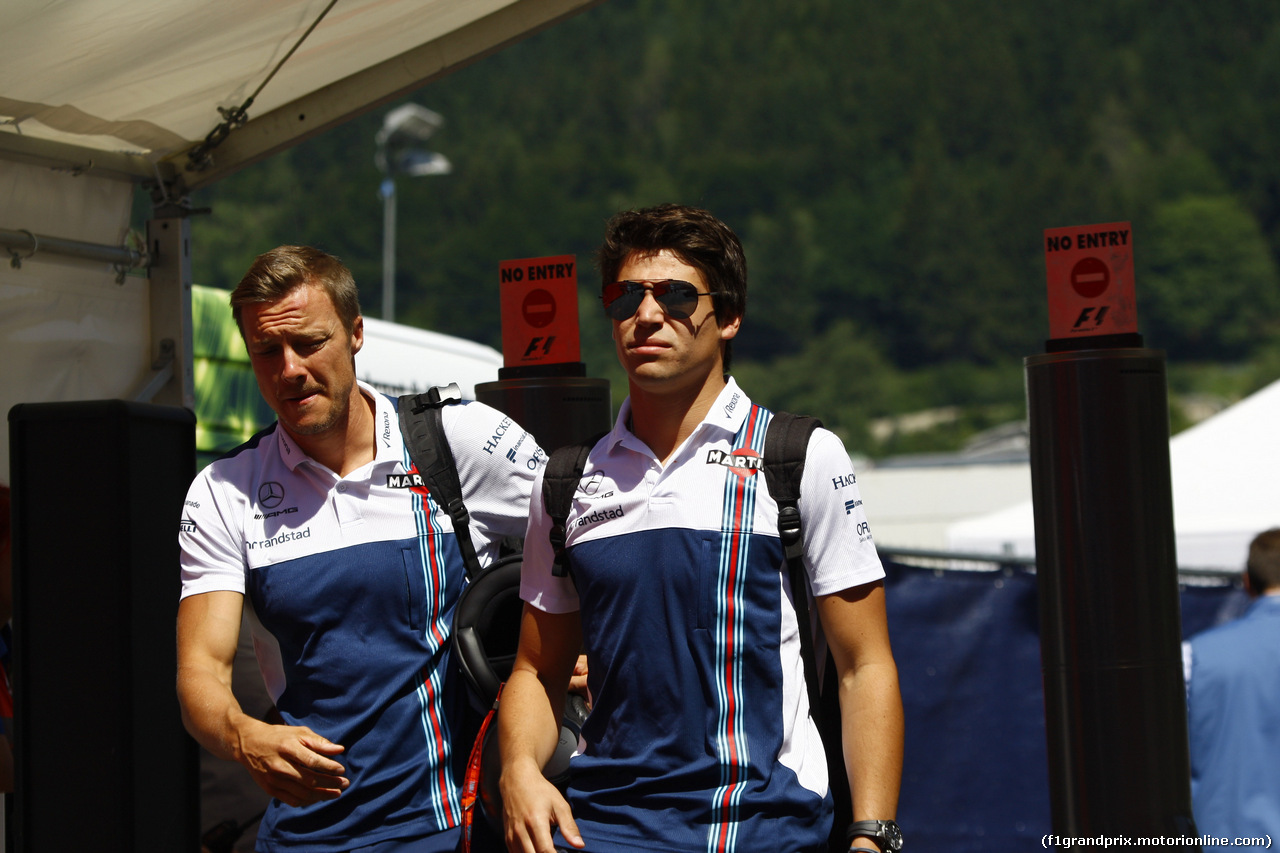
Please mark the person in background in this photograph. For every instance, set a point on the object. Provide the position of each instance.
(350, 572)
(700, 736)
(1233, 709)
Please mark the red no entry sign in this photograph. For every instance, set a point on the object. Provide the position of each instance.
(539, 308)
(1090, 275)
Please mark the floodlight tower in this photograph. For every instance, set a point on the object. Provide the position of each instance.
(400, 152)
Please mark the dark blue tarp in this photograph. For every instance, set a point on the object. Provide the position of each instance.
(975, 774)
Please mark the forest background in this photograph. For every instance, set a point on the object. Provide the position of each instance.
(890, 168)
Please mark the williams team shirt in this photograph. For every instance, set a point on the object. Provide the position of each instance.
(699, 737)
(351, 583)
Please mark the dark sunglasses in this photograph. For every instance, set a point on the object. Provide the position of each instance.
(679, 299)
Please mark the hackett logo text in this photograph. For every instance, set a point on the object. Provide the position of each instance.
(499, 431)
(600, 515)
(842, 481)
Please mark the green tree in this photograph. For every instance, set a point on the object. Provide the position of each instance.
(1209, 288)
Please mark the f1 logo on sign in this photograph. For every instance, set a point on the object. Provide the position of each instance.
(1090, 274)
(539, 310)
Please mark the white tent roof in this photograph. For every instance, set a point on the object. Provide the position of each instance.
(914, 507)
(126, 87)
(97, 96)
(403, 360)
(1224, 470)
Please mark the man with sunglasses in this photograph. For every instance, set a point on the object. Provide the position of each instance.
(700, 737)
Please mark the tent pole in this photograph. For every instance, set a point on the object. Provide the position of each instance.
(169, 248)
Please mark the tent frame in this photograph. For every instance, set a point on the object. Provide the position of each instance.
(175, 178)
(167, 257)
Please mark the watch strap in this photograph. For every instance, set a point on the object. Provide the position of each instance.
(886, 833)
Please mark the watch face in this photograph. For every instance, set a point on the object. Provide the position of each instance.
(892, 835)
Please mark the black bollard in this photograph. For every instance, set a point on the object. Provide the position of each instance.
(1110, 631)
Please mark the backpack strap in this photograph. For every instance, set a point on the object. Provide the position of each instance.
(422, 425)
(559, 481)
(785, 444)
(475, 767)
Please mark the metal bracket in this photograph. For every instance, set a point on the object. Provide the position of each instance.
(15, 260)
(162, 372)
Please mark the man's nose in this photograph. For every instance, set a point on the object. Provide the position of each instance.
(649, 311)
(292, 365)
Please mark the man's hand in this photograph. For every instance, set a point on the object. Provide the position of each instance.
(292, 763)
(529, 730)
(578, 683)
(531, 806)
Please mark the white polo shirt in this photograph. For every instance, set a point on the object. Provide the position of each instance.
(352, 582)
(699, 737)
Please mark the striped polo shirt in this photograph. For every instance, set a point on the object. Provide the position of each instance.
(700, 737)
(352, 584)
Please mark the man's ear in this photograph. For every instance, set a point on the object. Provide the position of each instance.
(729, 328)
(357, 334)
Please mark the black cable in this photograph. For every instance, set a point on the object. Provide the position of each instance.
(201, 157)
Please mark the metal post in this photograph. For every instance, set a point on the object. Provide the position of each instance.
(169, 247)
(388, 193)
(1110, 622)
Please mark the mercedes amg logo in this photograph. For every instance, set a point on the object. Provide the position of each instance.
(592, 485)
(270, 495)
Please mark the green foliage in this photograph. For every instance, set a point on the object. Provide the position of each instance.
(839, 377)
(1211, 288)
(889, 167)
(229, 408)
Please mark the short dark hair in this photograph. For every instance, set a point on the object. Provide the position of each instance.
(695, 236)
(282, 270)
(1263, 566)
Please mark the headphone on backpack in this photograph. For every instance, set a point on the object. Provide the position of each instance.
(486, 629)
(486, 634)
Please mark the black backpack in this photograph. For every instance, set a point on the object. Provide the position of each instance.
(487, 620)
(486, 623)
(785, 446)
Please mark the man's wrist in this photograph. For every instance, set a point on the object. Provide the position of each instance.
(884, 836)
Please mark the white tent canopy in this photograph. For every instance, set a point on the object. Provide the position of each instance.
(100, 96)
(1224, 471)
(403, 360)
(127, 87)
(914, 507)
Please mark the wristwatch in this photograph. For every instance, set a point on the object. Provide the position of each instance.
(887, 833)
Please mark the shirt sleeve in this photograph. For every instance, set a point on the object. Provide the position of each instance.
(497, 462)
(538, 586)
(212, 548)
(838, 549)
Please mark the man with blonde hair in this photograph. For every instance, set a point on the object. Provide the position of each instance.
(351, 573)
